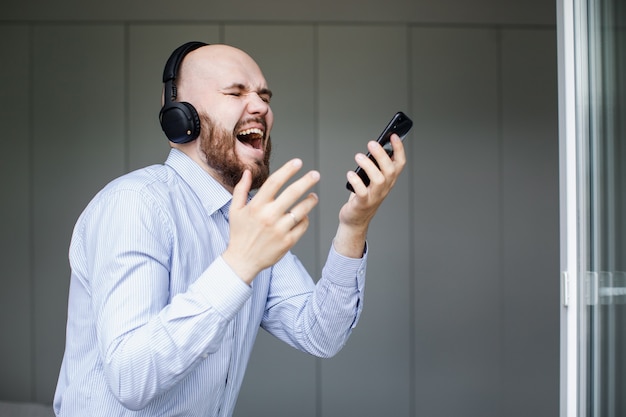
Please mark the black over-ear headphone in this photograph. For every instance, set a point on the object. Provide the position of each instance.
(179, 120)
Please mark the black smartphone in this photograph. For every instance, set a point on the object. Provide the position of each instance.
(399, 124)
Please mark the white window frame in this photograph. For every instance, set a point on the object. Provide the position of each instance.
(573, 122)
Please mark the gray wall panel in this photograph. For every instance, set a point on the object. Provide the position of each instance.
(78, 146)
(457, 11)
(484, 11)
(363, 81)
(15, 212)
(456, 223)
(530, 258)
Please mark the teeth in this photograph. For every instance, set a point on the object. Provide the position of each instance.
(251, 131)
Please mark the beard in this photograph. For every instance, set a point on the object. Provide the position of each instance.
(219, 148)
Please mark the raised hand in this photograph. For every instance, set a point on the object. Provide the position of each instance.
(263, 230)
(356, 215)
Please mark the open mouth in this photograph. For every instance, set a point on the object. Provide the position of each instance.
(252, 137)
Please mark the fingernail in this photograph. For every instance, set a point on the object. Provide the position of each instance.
(315, 175)
(296, 162)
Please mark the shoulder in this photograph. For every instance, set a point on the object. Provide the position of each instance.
(150, 183)
(154, 176)
(146, 189)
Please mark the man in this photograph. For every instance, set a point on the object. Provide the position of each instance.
(175, 266)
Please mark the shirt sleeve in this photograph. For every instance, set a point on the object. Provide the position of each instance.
(316, 318)
(148, 340)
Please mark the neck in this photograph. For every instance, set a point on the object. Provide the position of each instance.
(193, 151)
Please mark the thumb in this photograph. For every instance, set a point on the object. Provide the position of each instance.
(241, 190)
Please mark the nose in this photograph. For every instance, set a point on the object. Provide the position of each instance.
(257, 104)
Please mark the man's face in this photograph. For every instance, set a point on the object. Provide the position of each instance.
(219, 147)
(228, 90)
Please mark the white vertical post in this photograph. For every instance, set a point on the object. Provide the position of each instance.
(569, 210)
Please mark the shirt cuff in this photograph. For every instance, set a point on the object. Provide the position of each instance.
(222, 288)
(342, 270)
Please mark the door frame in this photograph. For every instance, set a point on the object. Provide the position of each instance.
(572, 58)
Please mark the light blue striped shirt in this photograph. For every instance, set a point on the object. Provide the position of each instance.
(158, 324)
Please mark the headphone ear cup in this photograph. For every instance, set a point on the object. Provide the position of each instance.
(180, 122)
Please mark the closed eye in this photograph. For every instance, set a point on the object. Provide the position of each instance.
(239, 90)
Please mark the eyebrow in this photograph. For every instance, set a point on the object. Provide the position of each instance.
(239, 86)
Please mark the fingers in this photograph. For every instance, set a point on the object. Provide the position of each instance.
(241, 190)
(384, 161)
(399, 155)
(278, 179)
(270, 205)
(297, 219)
(296, 190)
(299, 214)
(387, 170)
(269, 192)
(356, 182)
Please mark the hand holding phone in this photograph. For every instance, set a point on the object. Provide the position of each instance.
(399, 124)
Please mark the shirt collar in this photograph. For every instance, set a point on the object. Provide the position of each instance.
(210, 192)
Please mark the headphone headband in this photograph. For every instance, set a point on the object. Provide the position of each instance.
(173, 63)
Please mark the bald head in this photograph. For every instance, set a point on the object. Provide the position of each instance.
(215, 62)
